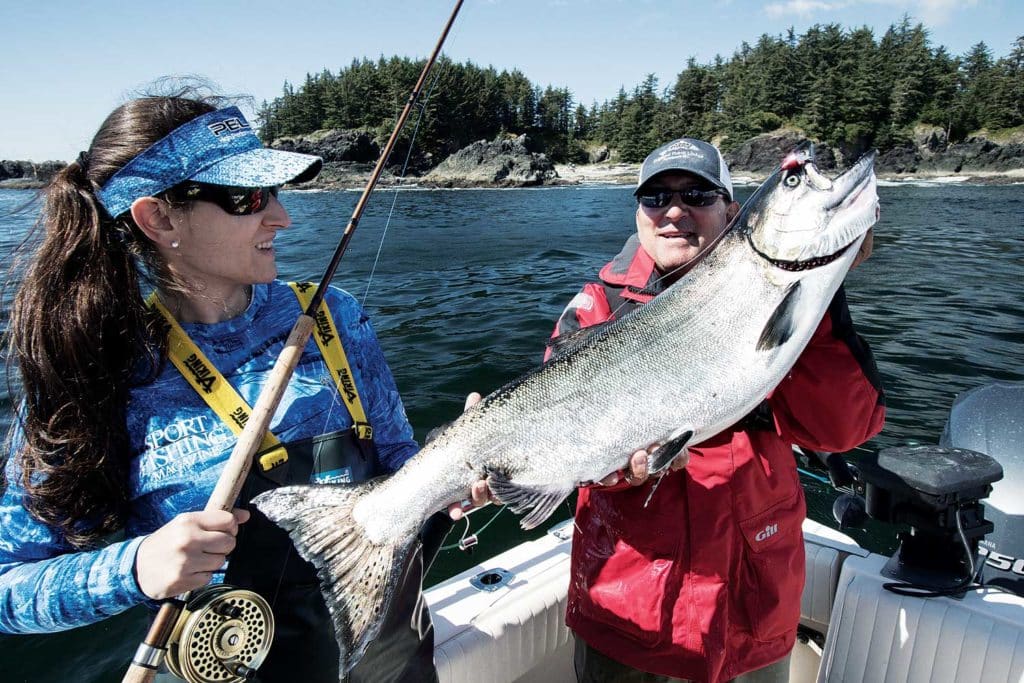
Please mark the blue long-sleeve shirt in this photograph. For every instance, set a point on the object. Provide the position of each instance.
(178, 449)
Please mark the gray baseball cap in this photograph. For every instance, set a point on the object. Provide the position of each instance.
(688, 155)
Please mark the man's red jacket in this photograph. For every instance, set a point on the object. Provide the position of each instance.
(705, 582)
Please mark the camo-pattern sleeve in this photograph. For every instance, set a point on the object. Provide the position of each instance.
(44, 587)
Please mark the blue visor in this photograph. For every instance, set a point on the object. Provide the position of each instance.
(218, 148)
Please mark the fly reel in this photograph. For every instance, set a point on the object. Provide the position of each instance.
(222, 636)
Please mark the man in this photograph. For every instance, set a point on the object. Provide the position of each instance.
(692, 586)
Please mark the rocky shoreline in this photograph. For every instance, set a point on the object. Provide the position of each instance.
(509, 162)
(27, 175)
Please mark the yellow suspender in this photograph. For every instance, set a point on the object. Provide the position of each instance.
(231, 408)
(327, 338)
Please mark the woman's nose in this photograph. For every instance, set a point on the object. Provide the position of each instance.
(276, 215)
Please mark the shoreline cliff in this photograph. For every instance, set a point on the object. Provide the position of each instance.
(510, 162)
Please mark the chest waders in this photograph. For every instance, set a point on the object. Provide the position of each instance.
(264, 560)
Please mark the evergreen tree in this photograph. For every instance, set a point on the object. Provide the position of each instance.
(636, 135)
(945, 102)
(841, 87)
(912, 84)
(581, 123)
(862, 109)
(822, 53)
(692, 101)
(978, 75)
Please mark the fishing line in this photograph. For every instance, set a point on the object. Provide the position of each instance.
(465, 531)
(730, 226)
(394, 200)
(812, 475)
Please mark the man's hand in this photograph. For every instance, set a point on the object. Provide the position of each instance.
(479, 494)
(635, 473)
(865, 250)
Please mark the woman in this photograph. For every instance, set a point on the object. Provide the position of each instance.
(117, 431)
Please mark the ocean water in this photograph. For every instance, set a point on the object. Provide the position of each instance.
(469, 283)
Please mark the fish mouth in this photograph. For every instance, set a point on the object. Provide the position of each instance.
(806, 264)
(813, 222)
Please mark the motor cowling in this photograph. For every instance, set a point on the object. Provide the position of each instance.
(990, 419)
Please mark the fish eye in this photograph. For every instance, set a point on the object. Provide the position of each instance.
(792, 180)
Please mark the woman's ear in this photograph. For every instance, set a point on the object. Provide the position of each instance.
(153, 218)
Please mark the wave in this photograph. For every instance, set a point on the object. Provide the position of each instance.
(937, 181)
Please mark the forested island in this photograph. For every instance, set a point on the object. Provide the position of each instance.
(928, 112)
(924, 109)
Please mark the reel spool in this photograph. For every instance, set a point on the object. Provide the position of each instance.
(222, 636)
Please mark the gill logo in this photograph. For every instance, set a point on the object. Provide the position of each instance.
(204, 377)
(323, 328)
(239, 416)
(232, 125)
(767, 532)
(346, 384)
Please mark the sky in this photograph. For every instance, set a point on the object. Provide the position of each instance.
(67, 63)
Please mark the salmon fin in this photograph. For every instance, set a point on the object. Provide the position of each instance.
(663, 457)
(779, 327)
(538, 503)
(357, 577)
(565, 343)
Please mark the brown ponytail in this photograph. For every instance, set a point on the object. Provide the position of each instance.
(80, 332)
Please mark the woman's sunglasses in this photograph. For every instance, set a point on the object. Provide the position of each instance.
(237, 201)
(659, 199)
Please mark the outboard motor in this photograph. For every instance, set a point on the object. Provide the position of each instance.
(990, 419)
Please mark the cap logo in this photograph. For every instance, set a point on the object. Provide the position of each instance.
(231, 125)
(680, 149)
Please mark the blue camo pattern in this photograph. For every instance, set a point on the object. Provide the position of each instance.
(179, 447)
(218, 147)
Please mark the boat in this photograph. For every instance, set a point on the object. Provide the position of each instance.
(503, 620)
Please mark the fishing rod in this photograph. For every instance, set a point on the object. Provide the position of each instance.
(229, 636)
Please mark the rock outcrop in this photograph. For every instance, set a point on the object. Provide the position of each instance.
(499, 163)
(762, 153)
(930, 154)
(27, 174)
(350, 155)
(598, 154)
(333, 145)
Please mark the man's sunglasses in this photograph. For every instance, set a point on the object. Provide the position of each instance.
(659, 199)
(237, 201)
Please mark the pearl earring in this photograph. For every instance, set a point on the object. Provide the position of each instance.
(175, 244)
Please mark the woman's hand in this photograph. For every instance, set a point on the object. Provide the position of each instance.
(183, 554)
(479, 494)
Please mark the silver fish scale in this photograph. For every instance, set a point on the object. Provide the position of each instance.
(686, 360)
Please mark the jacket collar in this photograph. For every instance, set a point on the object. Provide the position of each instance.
(633, 270)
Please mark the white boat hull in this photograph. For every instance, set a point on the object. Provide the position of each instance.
(517, 631)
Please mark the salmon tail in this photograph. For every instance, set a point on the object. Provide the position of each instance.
(357, 577)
